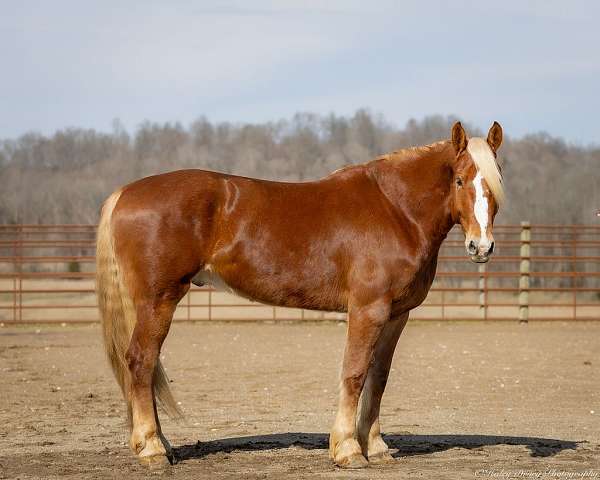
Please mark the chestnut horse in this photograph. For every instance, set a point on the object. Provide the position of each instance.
(363, 240)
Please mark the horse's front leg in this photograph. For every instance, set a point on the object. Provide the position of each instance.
(365, 323)
(368, 428)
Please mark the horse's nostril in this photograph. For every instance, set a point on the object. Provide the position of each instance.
(472, 248)
(491, 248)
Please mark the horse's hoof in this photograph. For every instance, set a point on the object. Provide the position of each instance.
(155, 462)
(381, 457)
(353, 462)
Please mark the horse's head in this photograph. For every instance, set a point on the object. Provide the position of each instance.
(477, 189)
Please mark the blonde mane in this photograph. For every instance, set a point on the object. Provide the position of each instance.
(485, 161)
(415, 152)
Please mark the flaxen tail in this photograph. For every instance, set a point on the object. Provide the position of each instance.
(118, 314)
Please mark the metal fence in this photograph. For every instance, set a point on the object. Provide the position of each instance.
(546, 272)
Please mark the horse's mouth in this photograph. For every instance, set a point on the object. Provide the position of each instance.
(480, 258)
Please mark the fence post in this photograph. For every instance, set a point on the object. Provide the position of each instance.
(20, 270)
(574, 279)
(444, 304)
(189, 295)
(524, 269)
(482, 295)
(15, 281)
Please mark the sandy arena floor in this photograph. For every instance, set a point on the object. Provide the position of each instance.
(464, 400)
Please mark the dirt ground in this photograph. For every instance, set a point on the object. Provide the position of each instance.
(464, 400)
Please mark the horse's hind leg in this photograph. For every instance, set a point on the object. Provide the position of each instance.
(368, 429)
(154, 317)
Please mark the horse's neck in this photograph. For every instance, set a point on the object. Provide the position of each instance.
(418, 184)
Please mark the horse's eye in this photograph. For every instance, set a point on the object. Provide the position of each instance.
(459, 181)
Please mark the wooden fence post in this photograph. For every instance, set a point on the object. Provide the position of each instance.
(525, 254)
(15, 281)
(482, 292)
(574, 279)
(20, 270)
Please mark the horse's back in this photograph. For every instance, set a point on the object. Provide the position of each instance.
(195, 198)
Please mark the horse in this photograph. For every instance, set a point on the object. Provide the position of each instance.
(363, 240)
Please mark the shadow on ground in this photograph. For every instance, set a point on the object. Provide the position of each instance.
(406, 445)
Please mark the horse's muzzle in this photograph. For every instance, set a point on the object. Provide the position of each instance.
(479, 252)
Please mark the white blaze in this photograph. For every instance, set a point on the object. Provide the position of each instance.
(481, 208)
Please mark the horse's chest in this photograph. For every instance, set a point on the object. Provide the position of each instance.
(412, 287)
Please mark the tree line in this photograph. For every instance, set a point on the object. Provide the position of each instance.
(63, 178)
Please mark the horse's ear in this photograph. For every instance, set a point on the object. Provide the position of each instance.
(459, 137)
(494, 138)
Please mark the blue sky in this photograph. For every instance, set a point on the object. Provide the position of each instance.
(534, 66)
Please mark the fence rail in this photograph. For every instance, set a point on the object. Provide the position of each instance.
(549, 272)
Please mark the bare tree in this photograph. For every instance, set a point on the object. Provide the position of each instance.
(63, 178)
